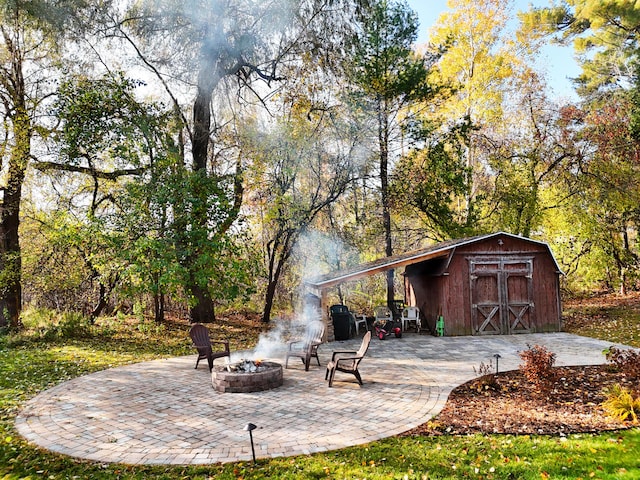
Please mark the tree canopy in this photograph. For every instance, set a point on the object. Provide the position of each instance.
(186, 157)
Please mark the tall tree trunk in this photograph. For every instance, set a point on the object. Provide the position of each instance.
(102, 302)
(268, 301)
(279, 253)
(383, 142)
(626, 254)
(209, 77)
(158, 307)
(202, 125)
(10, 254)
(202, 311)
(158, 300)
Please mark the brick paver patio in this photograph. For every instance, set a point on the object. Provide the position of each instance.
(166, 412)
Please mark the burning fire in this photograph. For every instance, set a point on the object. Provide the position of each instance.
(245, 366)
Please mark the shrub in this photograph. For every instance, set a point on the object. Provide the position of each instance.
(51, 325)
(537, 366)
(620, 403)
(626, 361)
(486, 379)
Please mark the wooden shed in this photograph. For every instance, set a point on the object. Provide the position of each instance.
(495, 284)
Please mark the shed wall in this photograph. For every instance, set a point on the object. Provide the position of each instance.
(445, 287)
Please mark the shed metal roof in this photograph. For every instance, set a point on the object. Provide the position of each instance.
(442, 249)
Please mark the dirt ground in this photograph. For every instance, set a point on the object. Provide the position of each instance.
(509, 403)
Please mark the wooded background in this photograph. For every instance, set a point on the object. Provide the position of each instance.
(190, 156)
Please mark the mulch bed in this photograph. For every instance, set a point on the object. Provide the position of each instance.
(508, 403)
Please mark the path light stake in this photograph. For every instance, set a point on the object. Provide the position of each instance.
(497, 356)
(250, 427)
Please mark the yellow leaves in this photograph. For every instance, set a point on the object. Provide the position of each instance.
(622, 404)
(516, 459)
(478, 56)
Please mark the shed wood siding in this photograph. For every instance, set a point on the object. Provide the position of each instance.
(486, 285)
(500, 285)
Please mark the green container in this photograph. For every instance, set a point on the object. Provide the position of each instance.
(440, 326)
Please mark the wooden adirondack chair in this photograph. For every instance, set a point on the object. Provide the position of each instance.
(200, 337)
(306, 348)
(348, 361)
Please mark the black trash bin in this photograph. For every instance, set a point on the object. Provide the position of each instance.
(341, 319)
(396, 309)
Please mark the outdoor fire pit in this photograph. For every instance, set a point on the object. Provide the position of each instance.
(246, 376)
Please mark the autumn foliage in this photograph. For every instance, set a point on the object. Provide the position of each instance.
(625, 360)
(537, 366)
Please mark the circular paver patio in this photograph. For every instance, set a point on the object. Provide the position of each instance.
(166, 412)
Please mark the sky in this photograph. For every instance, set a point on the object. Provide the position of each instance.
(557, 62)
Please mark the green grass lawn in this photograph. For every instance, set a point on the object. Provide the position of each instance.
(51, 351)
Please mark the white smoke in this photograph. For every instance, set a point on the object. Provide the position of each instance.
(274, 343)
(317, 253)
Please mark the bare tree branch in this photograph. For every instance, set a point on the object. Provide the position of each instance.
(113, 175)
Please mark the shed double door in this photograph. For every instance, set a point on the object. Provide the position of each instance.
(501, 296)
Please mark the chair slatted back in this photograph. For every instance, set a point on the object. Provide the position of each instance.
(364, 346)
(200, 336)
(411, 312)
(315, 333)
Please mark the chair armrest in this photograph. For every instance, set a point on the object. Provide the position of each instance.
(304, 341)
(221, 342)
(299, 341)
(333, 357)
(295, 342)
(345, 359)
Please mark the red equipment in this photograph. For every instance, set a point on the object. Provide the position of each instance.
(382, 331)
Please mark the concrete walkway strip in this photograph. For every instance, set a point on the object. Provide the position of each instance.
(166, 412)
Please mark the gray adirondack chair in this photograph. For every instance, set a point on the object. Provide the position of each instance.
(306, 348)
(348, 361)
